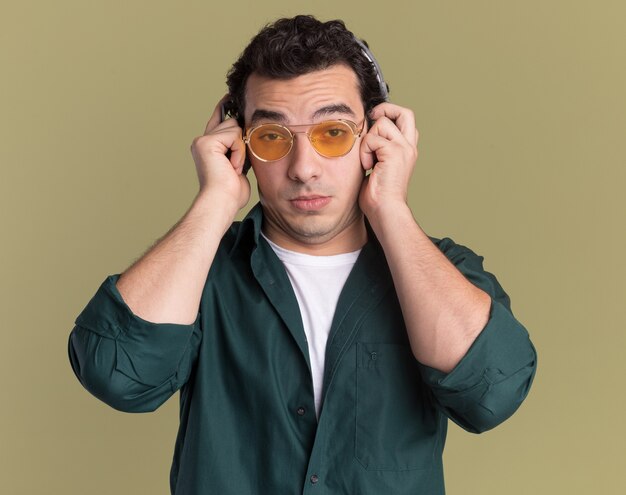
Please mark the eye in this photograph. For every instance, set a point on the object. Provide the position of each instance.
(335, 132)
(271, 136)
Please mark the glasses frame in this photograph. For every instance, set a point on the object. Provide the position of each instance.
(356, 129)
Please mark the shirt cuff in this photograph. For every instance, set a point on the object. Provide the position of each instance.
(492, 379)
(146, 352)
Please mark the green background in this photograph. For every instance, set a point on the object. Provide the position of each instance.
(521, 109)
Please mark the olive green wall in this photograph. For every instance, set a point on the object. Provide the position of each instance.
(521, 108)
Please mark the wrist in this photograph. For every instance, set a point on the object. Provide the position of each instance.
(218, 210)
(387, 214)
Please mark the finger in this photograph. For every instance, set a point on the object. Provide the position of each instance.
(370, 144)
(368, 158)
(403, 118)
(216, 116)
(238, 155)
(229, 136)
(386, 128)
(224, 140)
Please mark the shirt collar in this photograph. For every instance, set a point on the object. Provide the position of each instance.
(249, 228)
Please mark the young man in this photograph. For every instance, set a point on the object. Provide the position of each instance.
(321, 344)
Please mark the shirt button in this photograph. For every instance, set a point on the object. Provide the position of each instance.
(314, 479)
(301, 411)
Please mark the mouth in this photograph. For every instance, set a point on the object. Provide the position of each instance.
(313, 202)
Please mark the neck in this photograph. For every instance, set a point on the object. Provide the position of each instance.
(352, 238)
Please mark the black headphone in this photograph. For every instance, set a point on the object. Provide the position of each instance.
(384, 88)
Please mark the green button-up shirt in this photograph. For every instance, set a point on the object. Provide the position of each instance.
(247, 414)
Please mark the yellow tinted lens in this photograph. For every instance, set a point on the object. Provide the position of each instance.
(332, 138)
(270, 142)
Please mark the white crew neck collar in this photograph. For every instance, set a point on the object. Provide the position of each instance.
(294, 257)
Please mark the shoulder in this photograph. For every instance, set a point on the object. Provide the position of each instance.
(454, 251)
(471, 266)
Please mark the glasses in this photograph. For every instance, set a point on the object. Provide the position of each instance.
(331, 138)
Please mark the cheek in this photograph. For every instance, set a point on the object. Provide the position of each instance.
(266, 180)
(354, 175)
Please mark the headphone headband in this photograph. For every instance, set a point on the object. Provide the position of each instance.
(384, 89)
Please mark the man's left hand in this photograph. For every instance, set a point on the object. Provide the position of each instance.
(389, 150)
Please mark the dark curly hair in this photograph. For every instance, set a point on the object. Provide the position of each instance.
(291, 47)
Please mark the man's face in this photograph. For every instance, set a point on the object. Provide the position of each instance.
(310, 202)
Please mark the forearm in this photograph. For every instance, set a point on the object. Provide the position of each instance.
(442, 310)
(165, 285)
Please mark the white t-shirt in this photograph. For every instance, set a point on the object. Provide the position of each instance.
(317, 282)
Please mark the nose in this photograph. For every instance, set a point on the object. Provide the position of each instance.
(305, 162)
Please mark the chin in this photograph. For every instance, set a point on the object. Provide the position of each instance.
(312, 234)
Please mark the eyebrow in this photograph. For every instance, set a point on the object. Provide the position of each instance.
(261, 114)
(336, 108)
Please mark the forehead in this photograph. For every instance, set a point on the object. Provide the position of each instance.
(297, 99)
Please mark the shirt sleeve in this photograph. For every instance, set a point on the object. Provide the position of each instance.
(129, 363)
(494, 377)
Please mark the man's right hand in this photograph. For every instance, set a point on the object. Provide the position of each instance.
(221, 176)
